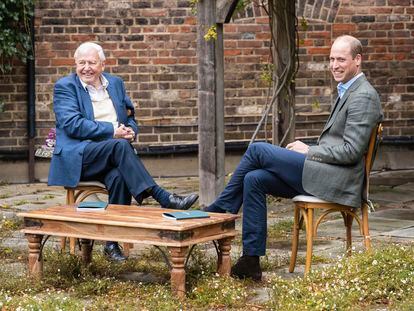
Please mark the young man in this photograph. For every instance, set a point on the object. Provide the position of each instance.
(95, 125)
(332, 170)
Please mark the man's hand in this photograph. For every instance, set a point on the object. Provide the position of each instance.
(298, 146)
(124, 132)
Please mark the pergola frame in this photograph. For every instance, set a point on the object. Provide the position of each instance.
(211, 96)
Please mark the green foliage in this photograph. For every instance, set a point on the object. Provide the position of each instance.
(193, 6)
(384, 276)
(211, 33)
(14, 35)
(304, 24)
(241, 6)
(316, 105)
(267, 74)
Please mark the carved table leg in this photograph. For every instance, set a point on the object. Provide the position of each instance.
(177, 255)
(224, 259)
(35, 257)
(86, 247)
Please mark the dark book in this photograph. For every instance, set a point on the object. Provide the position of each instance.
(181, 215)
(95, 206)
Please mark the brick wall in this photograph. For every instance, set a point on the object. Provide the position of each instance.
(152, 46)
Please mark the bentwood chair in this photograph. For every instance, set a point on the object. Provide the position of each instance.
(305, 207)
(78, 194)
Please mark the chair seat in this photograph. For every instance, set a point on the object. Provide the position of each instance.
(308, 198)
(88, 184)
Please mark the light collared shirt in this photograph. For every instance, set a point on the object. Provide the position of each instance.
(343, 87)
(103, 108)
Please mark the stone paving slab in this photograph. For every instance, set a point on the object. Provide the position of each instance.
(401, 233)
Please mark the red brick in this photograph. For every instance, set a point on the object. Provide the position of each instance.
(63, 62)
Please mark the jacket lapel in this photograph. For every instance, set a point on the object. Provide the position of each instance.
(340, 103)
(86, 102)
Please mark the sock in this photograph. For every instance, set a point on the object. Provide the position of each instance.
(160, 195)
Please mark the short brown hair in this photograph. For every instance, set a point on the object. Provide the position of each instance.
(355, 44)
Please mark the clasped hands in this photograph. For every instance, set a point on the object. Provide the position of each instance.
(124, 132)
(298, 146)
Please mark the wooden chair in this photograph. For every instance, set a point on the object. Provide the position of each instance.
(305, 207)
(79, 194)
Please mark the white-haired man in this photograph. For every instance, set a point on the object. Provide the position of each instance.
(95, 125)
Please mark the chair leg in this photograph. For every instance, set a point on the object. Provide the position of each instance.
(365, 227)
(309, 239)
(348, 224)
(127, 247)
(295, 239)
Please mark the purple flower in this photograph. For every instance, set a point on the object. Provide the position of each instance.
(52, 134)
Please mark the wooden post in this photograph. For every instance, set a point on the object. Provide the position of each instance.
(211, 96)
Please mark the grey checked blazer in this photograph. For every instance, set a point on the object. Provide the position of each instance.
(334, 168)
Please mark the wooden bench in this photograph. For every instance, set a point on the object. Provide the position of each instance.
(130, 224)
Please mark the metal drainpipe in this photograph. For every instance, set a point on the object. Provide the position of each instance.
(31, 100)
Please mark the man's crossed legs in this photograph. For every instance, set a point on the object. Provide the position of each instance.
(264, 169)
(114, 163)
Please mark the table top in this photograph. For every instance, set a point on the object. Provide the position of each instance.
(127, 216)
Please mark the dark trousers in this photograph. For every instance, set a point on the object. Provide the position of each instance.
(264, 169)
(114, 163)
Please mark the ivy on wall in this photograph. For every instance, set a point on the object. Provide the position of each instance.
(15, 38)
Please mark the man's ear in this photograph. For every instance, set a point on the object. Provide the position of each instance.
(358, 59)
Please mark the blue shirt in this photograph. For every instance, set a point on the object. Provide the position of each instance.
(342, 87)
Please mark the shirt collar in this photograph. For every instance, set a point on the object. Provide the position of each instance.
(104, 82)
(343, 87)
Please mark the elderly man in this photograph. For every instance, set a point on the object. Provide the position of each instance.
(95, 126)
(332, 170)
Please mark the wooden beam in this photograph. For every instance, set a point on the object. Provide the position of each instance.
(210, 104)
(225, 10)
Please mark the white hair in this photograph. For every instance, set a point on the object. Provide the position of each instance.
(86, 46)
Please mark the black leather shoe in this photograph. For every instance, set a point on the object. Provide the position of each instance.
(113, 252)
(247, 267)
(182, 203)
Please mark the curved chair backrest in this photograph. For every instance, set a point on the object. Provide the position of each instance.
(374, 141)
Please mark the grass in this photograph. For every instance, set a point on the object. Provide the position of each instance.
(48, 197)
(382, 277)
(280, 230)
(8, 226)
(20, 202)
(69, 285)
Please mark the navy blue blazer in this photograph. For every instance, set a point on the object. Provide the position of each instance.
(76, 125)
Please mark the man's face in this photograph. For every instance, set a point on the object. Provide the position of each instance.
(341, 63)
(89, 67)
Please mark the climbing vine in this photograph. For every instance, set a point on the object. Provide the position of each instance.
(15, 32)
(284, 57)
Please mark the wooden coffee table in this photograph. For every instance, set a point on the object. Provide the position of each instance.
(131, 224)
